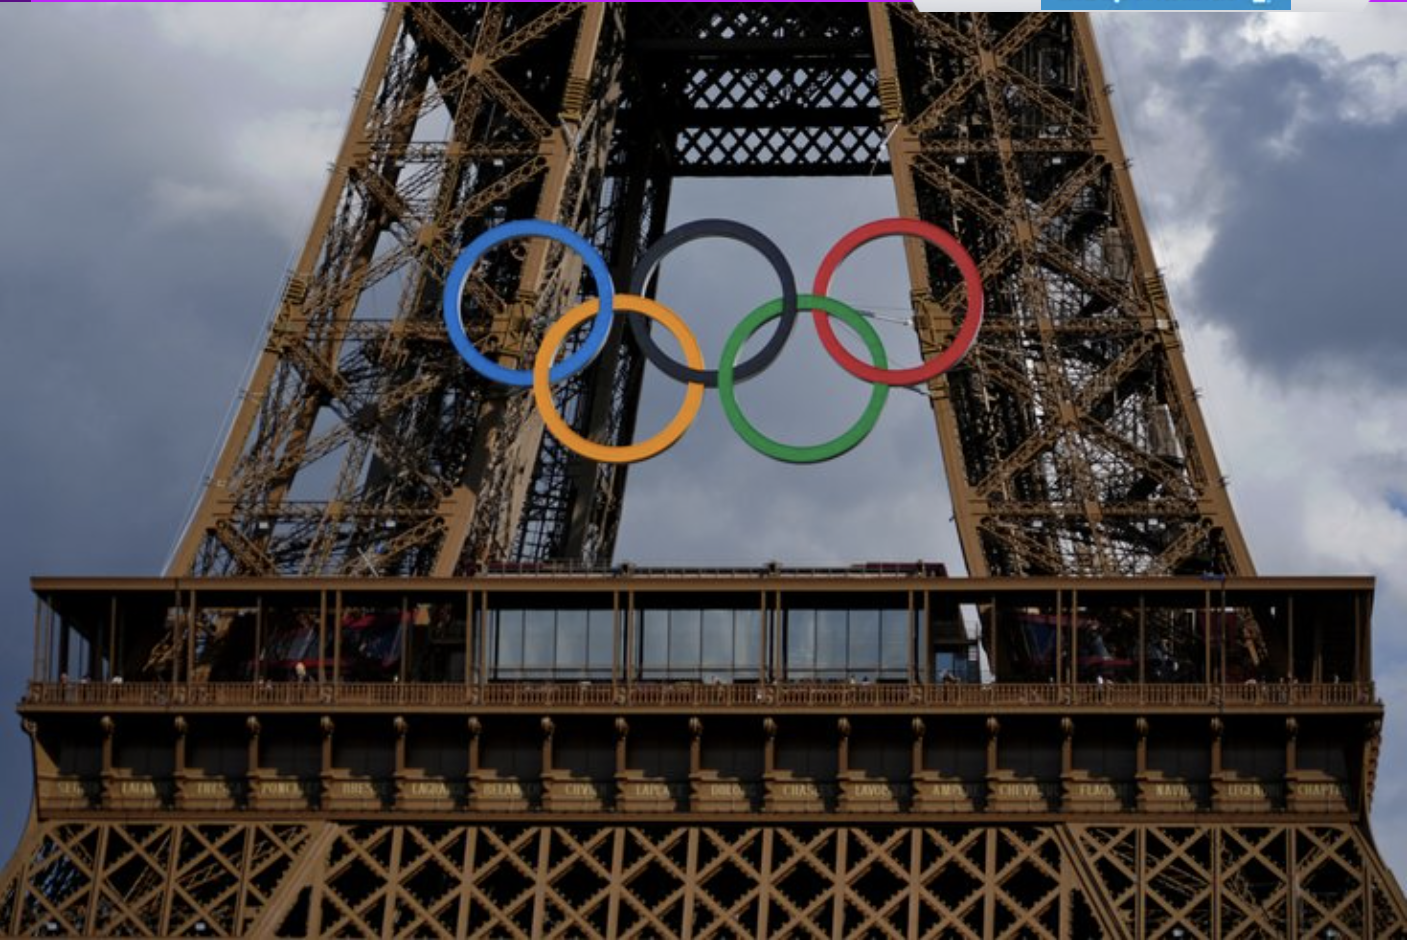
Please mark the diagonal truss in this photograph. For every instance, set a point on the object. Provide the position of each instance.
(1072, 439)
(439, 879)
(363, 445)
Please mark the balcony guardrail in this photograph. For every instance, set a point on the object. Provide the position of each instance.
(692, 695)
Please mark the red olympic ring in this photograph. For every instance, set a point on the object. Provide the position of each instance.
(972, 320)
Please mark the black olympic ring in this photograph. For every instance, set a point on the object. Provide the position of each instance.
(715, 228)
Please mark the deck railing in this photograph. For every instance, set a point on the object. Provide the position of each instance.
(693, 694)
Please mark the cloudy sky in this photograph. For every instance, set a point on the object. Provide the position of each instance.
(158, 176)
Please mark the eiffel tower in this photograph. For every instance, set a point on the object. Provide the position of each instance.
(392, 685)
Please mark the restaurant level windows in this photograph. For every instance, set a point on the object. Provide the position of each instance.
(551, 644)
(717, 645)
(862, 645)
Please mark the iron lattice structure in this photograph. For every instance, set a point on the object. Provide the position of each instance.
(1072, 442)
(808, 880)
(1071, 436)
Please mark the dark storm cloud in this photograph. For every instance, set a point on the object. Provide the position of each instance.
(1306, 263)
(126, 328)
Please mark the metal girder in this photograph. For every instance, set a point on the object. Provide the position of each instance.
(577, 878)
(1000, 129)
(360, 404)
(1077, 394)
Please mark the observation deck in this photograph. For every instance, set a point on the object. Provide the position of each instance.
(887, 691)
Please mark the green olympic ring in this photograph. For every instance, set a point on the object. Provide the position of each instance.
(810, 453)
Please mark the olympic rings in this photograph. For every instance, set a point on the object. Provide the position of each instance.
(602, 453)
(972, 282)
(692, 372)
(454, 287)
(788, 453)
(735, 231)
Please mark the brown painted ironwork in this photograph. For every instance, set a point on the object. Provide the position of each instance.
(200, 772)
(1071, 436)
(760, 802)
(585, 879)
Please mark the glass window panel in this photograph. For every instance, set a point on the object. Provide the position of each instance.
(571, 641)
(491, 642)
(801, 643)
(747, 637)
(863, 643)
(600, 642)
(894, 643)
(718, 652)
(508, 642)
(654, 642)
(831, 644)
(537, 641)
(685, 630)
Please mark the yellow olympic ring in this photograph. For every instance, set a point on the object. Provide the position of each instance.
(603, 453)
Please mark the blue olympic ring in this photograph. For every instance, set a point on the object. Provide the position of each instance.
(459, 274)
